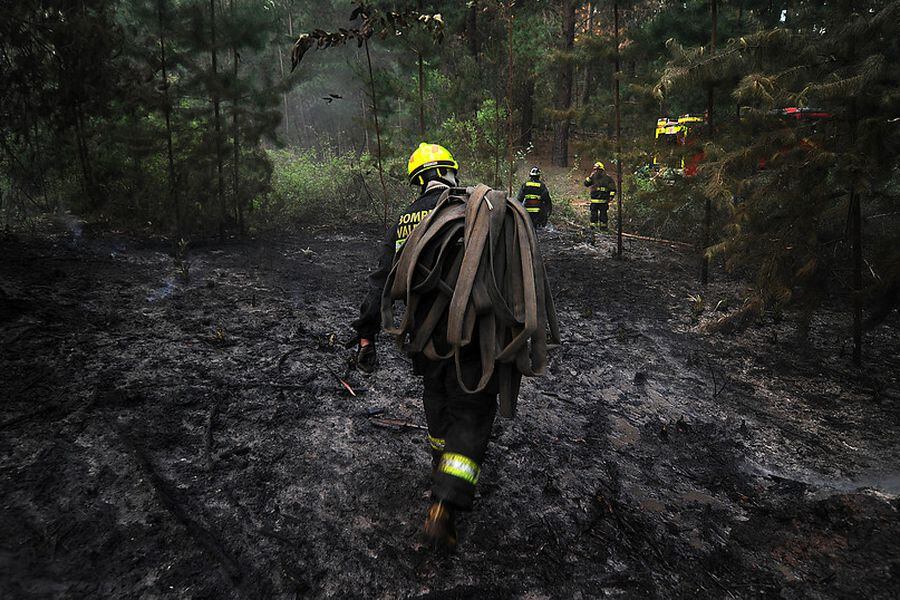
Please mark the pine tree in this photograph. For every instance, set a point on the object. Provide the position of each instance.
(563, 112)
(801, 195)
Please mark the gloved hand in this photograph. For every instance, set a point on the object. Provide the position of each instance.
(366, 358)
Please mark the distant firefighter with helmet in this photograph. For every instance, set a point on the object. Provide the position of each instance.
(603, 189)
(535, 197)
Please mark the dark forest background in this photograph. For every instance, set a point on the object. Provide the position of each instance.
(187, 119)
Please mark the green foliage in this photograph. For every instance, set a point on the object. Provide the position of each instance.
(478, 143)
(94, 94)
(783, 187)
(324, 188)
(98, 92)
(663, 204)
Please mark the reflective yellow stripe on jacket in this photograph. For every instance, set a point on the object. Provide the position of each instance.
(405, 226)
(532, 197)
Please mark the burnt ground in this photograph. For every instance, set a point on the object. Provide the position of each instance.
(189, 439)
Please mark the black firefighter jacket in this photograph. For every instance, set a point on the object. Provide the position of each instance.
(535, 197)
(603, 188)
(369, 322)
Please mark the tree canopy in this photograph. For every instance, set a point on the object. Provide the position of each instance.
(198, 117)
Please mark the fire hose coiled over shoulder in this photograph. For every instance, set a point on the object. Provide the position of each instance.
(475, 258)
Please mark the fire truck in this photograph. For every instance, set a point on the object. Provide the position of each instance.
(674, 138)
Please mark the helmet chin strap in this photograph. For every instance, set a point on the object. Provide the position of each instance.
(446, 178)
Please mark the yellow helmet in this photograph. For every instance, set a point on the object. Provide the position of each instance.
(429, 156)
(599, 165)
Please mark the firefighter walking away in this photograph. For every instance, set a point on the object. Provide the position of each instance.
(535, 197)
(603, 189)
(459, 423)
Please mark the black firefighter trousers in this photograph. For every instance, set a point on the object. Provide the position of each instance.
(599, 211)
(459, 427)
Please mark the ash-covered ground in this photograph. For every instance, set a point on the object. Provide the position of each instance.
(172, 437)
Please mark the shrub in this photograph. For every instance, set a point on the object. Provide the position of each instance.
(325, 188)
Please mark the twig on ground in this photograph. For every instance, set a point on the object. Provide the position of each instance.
(645, 238)
(277, 535)
(395, 423)
(558, 397)
(346, 385)
(716, 388)
(208, 438)
(284, 356)
(720, 584)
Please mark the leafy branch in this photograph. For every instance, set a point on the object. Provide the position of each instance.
(374, 21)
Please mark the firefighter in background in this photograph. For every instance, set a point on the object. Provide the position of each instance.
(459, 423)
(603, 189)
(535, 197)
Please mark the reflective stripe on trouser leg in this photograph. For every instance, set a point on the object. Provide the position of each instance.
(460, 466)
(437, 444)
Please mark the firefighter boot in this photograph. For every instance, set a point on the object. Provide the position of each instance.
(440, 528)
(435, 461)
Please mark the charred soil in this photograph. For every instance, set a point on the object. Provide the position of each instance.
(178, 429)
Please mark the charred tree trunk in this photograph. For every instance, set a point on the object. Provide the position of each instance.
(564, 90)
(472, 30)
(710, 97)
(497, 149)
(509, 77)
(526, 106)
(236, 148)
(87, 175)
(618, 66)
(421, 83)
(285, 118)
(217, 120)
(167, 114)
(421, 96)
(589, 66)
(377, 133)
(287, 96)
(856, 240)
